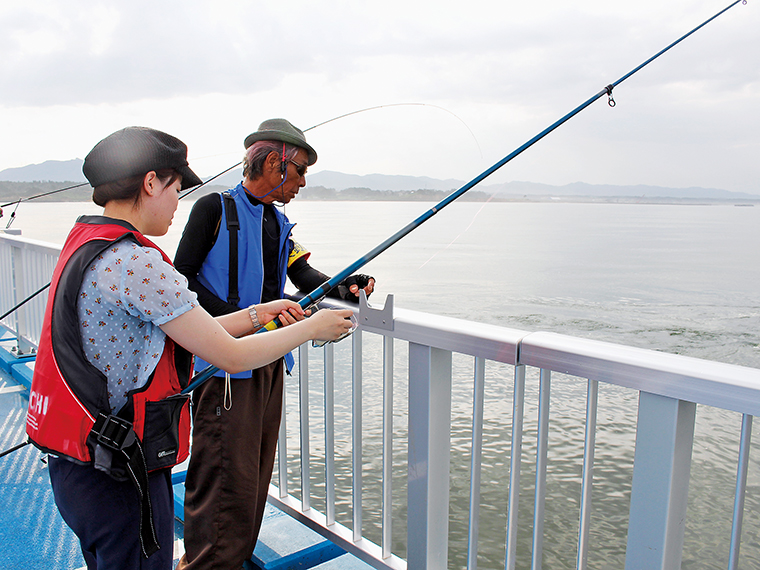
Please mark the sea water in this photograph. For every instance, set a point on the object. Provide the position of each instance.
(676, 278)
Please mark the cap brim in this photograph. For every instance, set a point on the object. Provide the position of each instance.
(282, 137)
(189, 178)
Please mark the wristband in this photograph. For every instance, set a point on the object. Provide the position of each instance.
(254, 316)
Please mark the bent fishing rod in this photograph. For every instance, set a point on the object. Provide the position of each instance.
(202, 184)
(343, 116)
(319, 293)
(43, 288)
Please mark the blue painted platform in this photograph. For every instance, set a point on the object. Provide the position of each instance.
(32, 532)
(33, 535)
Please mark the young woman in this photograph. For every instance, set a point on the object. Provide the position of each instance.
(114, 355)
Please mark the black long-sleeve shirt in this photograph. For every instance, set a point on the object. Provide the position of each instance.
(199, 236)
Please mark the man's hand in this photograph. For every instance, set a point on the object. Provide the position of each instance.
(353, 283)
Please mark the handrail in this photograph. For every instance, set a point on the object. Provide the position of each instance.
(669, 387)
(716, 384)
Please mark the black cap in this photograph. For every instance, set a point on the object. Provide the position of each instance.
(134, 151)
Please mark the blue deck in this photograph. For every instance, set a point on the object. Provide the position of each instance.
(32, 532)
(33, 535)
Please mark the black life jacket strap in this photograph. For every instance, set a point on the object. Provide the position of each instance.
(233, 225)
(114, 436)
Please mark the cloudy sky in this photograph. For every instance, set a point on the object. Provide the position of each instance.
(480, 77)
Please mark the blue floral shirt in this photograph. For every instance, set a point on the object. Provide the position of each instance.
(127, 292)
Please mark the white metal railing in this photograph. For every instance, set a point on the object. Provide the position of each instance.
(669, 388)
(26, 266)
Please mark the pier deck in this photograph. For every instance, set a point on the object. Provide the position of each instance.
(34, 535)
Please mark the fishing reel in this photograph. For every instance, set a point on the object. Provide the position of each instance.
(319, 343)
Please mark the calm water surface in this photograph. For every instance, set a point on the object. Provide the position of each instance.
(680, 279)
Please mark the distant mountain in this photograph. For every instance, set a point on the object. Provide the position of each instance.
(517, 188)
(71, 171)
(340, 181)
(50, 170)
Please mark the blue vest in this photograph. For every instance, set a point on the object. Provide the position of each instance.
(214, 273)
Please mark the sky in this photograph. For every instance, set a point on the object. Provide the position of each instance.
(459, 85)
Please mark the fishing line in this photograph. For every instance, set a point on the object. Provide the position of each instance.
(373, 108)
(402, 105)
(318, 293)
(464, 231)
(17, 202)
(202, 184)
(192, 386)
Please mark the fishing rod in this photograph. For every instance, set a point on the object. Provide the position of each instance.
(315, 296)
(33, 295)
(15, 448)
(17, 202)
(202, 184)
(22, 303)
(28, 198)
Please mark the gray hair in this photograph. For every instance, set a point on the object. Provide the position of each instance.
(256, 154)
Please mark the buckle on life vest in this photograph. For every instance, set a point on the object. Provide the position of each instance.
(119, 454)
(114, 432)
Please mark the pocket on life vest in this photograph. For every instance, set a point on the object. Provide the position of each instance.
(162, 434)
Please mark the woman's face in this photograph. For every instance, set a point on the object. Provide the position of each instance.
(162, 205)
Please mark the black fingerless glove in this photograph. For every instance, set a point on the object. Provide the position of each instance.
(358, 279)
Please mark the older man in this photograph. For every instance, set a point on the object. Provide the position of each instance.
(237, 250)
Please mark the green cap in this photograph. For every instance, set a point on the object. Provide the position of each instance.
(283, 131)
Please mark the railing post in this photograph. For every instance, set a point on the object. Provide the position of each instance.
(478, 397)
(429, 456)
(387, 510)
(518, 408)
(662, 462)
(329, 383)
(587, 477)
(282, 448)
(303, 396)
(542, 451)
(357, 457)
(7, 297)
(21, 290)
(741, 489)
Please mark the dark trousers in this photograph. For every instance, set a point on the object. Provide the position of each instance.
(230, 467)
(105, 516)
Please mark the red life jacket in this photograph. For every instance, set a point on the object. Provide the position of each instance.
(69, 394)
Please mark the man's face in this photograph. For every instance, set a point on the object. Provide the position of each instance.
(294, 178)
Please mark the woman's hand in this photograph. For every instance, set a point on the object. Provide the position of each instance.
(330, 324)
(209, 338)
(288, 311)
